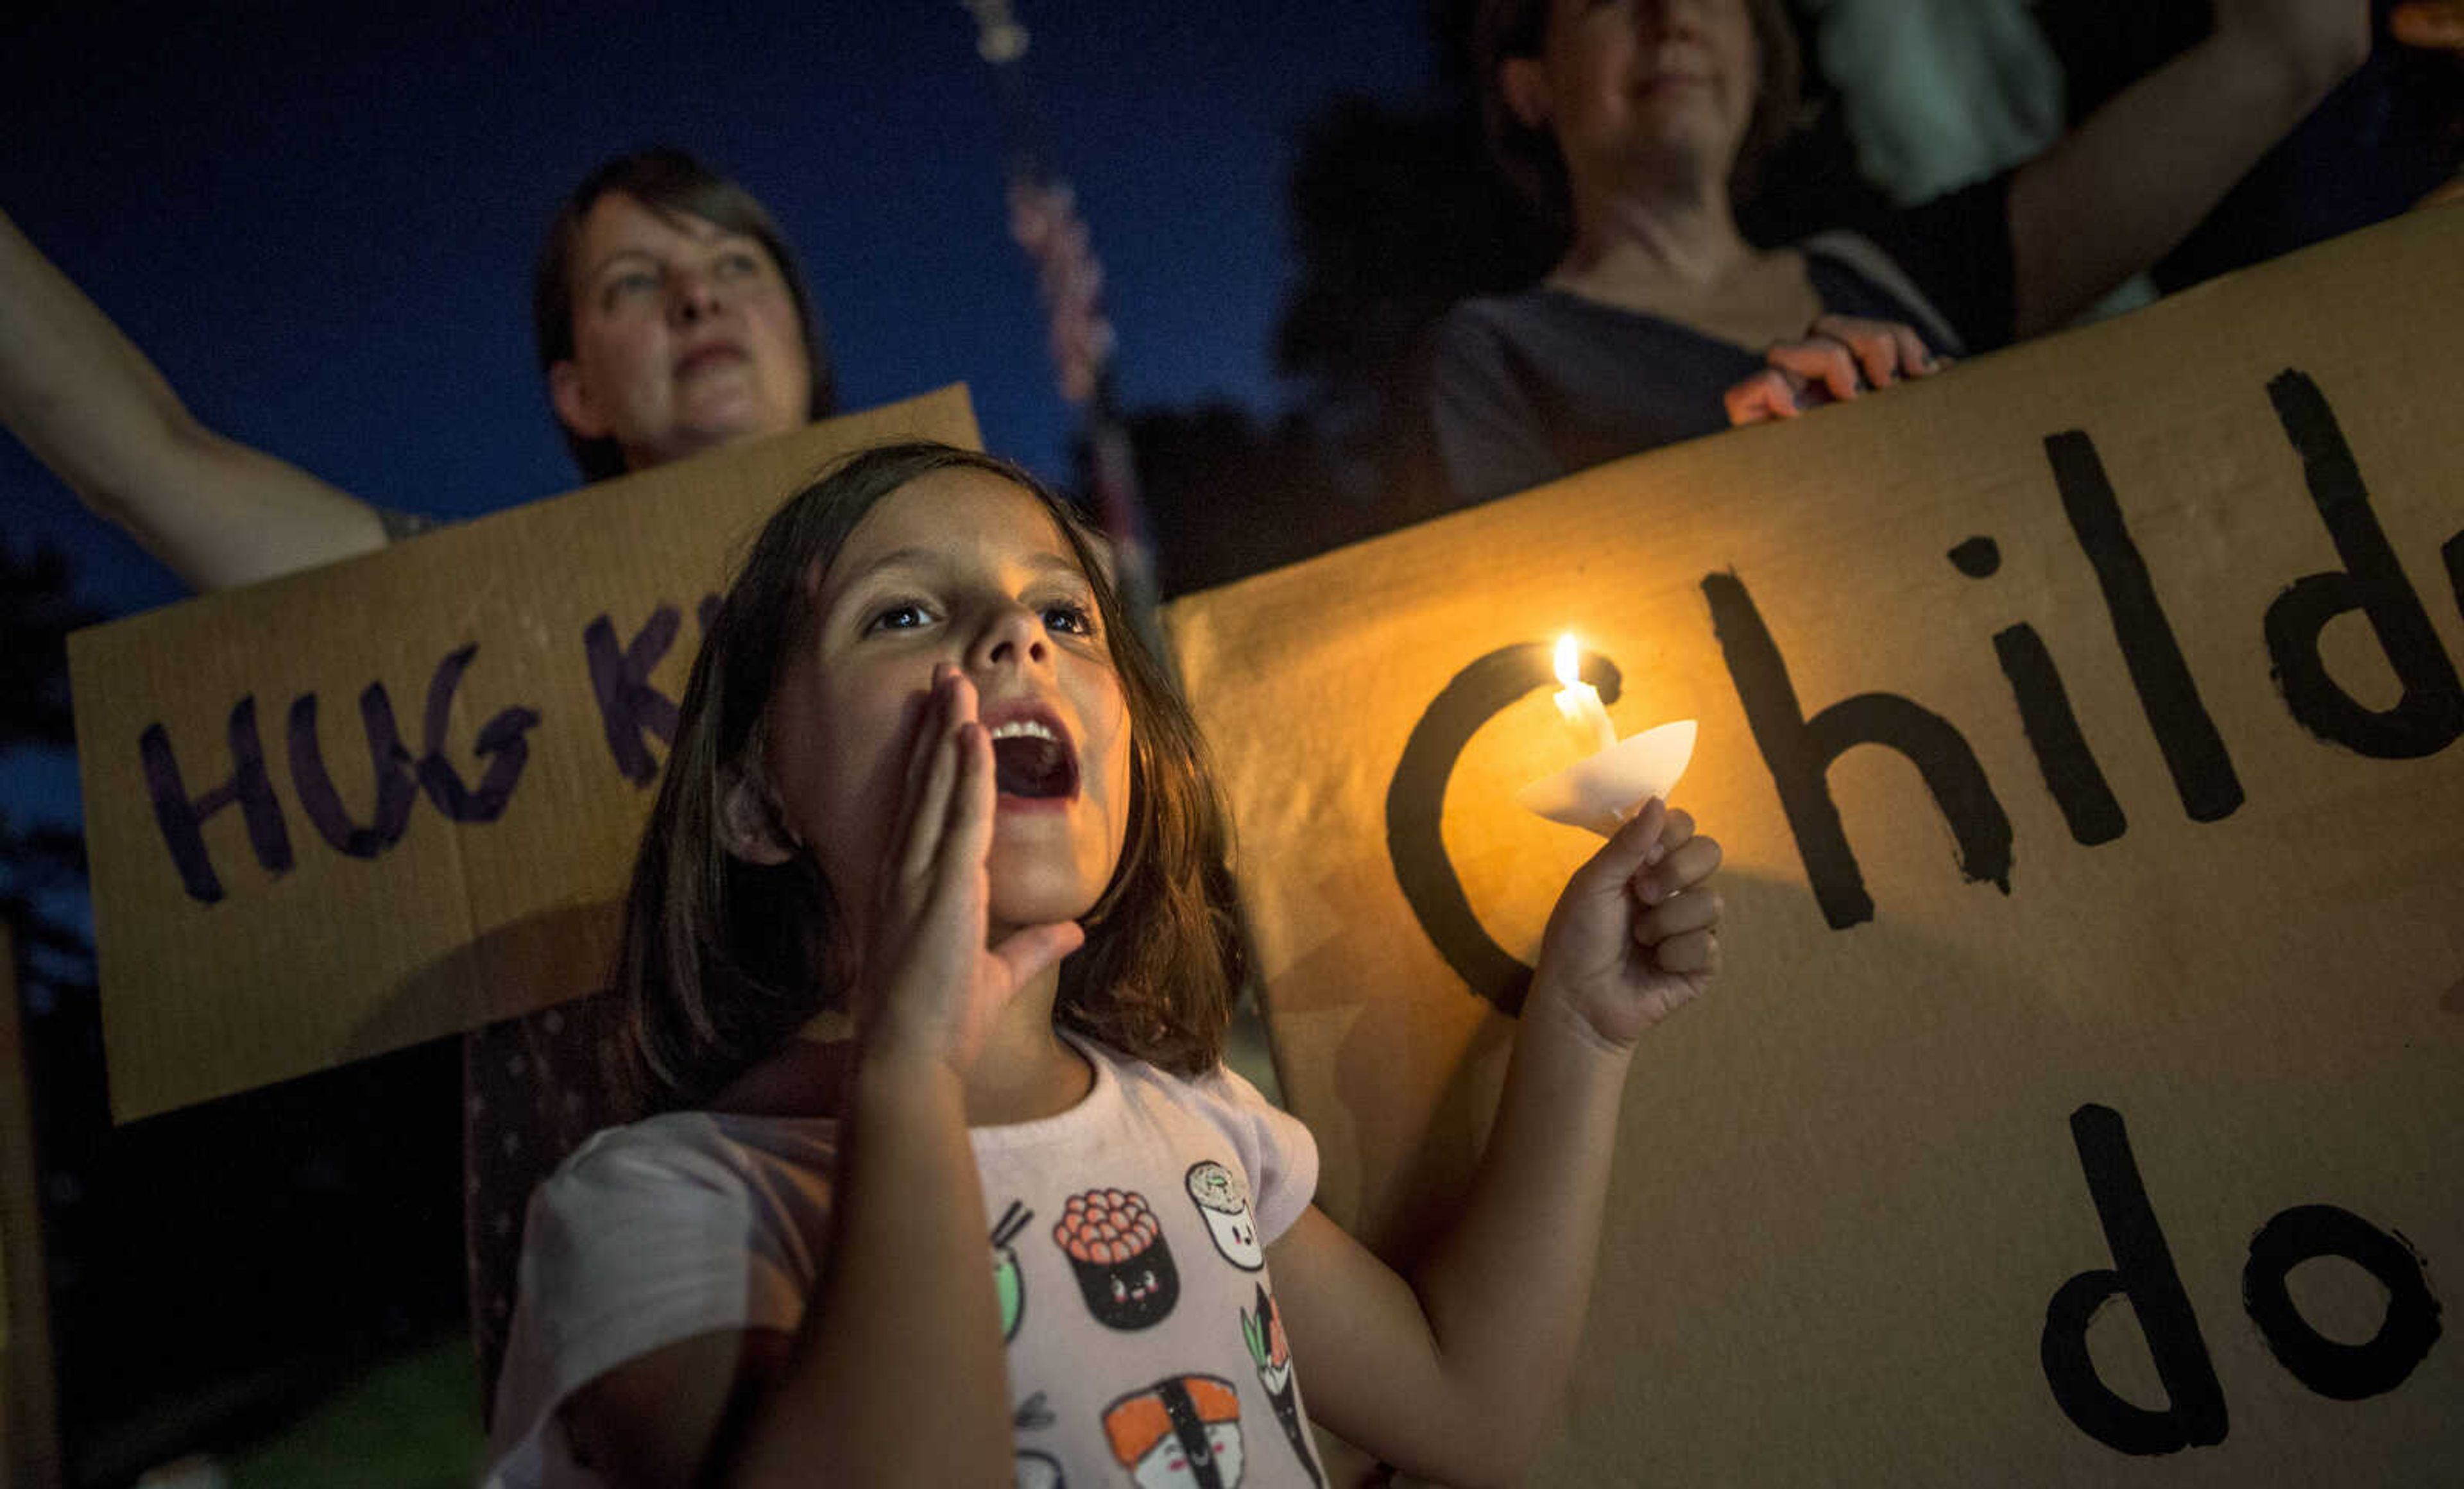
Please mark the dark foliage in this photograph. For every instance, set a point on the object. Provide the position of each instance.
(37, 611)
(212, 1271)
(1230, 495)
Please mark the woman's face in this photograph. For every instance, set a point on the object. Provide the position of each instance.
(958, 566)
(1641, 90)
(685, 336)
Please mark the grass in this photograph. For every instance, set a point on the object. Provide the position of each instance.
(412, 1422)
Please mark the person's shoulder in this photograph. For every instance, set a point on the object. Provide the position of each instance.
(704, 1148)
(1219, 1096)
(1217, 1086)
(1273, 1149)
(1488, 318)
(1231, 1088)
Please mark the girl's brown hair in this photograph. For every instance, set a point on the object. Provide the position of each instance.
(1503, 28)
(722, 961)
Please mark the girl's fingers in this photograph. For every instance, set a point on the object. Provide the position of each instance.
(1626, 852)
(1030, 951)
(1694, 952)
(1679, 869)
(967, 835)
(1700, 910)
(920, 760)
(937, 743)
(929, 726)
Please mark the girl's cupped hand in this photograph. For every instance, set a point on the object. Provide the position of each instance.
(1635, 935)
(934, 982)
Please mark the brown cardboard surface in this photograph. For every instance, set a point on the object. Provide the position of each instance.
(1848, 1187)
(456, 921)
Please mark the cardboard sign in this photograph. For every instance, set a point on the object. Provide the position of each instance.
(2082, 730)
(404, 791)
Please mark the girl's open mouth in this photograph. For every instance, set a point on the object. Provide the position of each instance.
(1032, 761)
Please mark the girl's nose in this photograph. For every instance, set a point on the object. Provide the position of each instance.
(1014, 639)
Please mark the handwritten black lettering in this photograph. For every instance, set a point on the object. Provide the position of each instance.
(389, 765)
(2203, 772)
(619, 679)
(2429, 715)
(2341, 1372)
(1798, 751)
(1415, 802)
(2142, 1275)
(2069, 767)
(182, 818)
(500, 742)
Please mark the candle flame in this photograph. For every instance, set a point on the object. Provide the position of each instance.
(1567, 673)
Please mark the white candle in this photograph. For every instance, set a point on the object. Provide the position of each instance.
(1580, 701)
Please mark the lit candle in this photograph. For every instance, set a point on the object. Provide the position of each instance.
(1580, 701)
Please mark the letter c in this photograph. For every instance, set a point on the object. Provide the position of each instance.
(1416, 802)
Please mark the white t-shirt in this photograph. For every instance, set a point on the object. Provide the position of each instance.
(1128, 1250)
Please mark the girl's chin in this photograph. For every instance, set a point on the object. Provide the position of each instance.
(1037, 905)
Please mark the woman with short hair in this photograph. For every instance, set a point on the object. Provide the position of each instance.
(671, 317)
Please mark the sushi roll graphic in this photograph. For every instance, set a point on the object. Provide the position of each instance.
(1008, 1283)
(1186, 1430)
(1028, 1468)
(1263, 1333)
(1223, 1199)
(1118, 1251)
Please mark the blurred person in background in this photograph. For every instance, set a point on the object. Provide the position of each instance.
(1637, 127)
(670, 317)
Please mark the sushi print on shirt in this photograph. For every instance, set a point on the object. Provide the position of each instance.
(1184, 1428)
(1223, 1201)
(726, 1218)
(1262, 1331)
(1009, 1283)
(1182, 1431)
(1118, 1252)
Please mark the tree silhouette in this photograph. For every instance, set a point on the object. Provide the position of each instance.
(312, 1223)
(42, 869)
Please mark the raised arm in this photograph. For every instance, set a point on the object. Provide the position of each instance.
(2116, 193)
(90, 406)
(1458, 1375)
(904, 1310)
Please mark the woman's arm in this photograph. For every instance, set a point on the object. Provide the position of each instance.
(1458, 1374)
(2120, 191)
(90, 406)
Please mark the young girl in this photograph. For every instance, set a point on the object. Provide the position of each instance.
(1024, 1225)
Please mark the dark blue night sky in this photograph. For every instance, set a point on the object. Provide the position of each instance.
(320, 220)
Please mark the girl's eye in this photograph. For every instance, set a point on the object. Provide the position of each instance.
(1069, 618)
(905, 616)
(738, 265)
